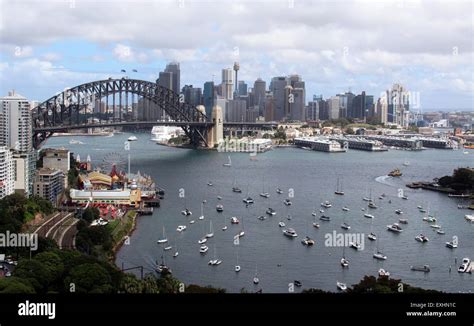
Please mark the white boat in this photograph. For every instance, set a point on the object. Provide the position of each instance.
(202, 212)
(344, 262)
(372, 205)
(469, 218)
(383, 272)
(75, 142)
(339, 190)
(203, 240)
(355, 245)
(405, 197)
(210, 184)
(464, 265)
(368, 215)
(224, 228)
(203, 249)
(291, 233)
(325, 218)
(164, 239)
(220, 208)
(255, 278)
(395, 228)
(372, 236)
(167, 248)
(399, 211)
(316, 225)
(341, 286)
(248, 200)
(307, 241)
(326, 204)
(234, 220)
(380, 256)
(279, 191)
(271, 211)
(424, 268)
(421, 238)
(452, 244)
(345, 209)
(162, 268)
(440, 231)
(215, 261)
(345, 226)
(262, 217)
(229, 162)
(132, 138)
(406, 163)
(191, 222)
(186, 212)
(435, 226)
(264, 193)
(211, 231)
(287, 202)
(237, 268)
(181, 228)
(321, 210)
(281, 224)
(402, 221)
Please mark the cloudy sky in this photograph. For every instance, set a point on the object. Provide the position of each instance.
(48, 45)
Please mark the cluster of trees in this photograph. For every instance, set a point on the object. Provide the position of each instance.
(92, 241)
(461, 180)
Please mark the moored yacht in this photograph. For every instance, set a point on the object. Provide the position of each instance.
(403, 221)
(424, 268)
(186, 212)
(344, 262)
(248, 200)
(326, 204)
(394, 228)
(281, 224)
(380, 256)
(421, 238)
(234, 220)
(271, 211)
(279, 191)
(451, 244)
(355, 245)
(383, 272)
(307, 241)
(264, 194)
(345, 226)
(368, 215)
(341, 286)
(464, 265)
(291, 233)
(345, 209)
(325, 218)
(399, 211)
(287, 202)
(372, 236)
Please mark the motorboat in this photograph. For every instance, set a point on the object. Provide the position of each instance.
(341, 286)
(421, 238)
(440, 231)
(215, 262)
(326, 204)
(469, 218)
(281, 224)
(240, 234)
(271, 211)
(203, 240)
(224, 228)
(291, 233)
(372, 205)
(210, 184)
(264, 194)
(394, 228)
(164, 240)
(345, 226)
(383, 272)
(132, 138)
(220, 208)
(366, 199)
(435, 226)
(344, 262)
(402, 221)
(369, 215)
(451, 244)
(380, 256)
(429, 219)
(325, 218)
(234, 220)
(399, 211)
(181, 228)
(321, 210)
(297, 283)
(237, 268)
(307, 241)
(345, 209)
(424, 268)
(186, 212)
(279, 191)
(262, 218)
(256, 280)
(464, 265)
(167, 248)
(248, 200)
(405, 197)
(372, 236)
(236, 189)
(355, 245)
(316, 225)
(287, 202)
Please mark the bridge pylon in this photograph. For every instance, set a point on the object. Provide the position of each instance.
(216, 133)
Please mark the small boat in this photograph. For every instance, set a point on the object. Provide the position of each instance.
(355, 245)
(380, 256)
(464, 266)
(429, 219)
(366, 199)
(262, 218)
(211, 232)
(287, 202)
(132, 138)
(394, 228)
(264, 194)
(321, 210)
(345, 226)
(186, 212)
(236, 189)
(422, 238)
(368, 215)
(403, 221)
(422, 210)
(406, 163)
(435, 226)
(440, 231)
(451, 244)
(424, 268)
(210, 184)
(162, 268)
(240, 234)
(297, 283)
(469, 218)
(168, 248)
(281, 224)
(399, 211)
(175, 254)
(271, 211)
(220, 208)
(219, 197)
(372, 236)
(344, 262)
(215, 261)
(307, 241)
(314, 213)
(345, 209)
(202, 212)
(248, 200)
(339, 190)
(234, 220)
(255, 278)
(164, 239)
(372, 205)
(181, 228)
(383, 272)
(341, 286)
(203, 240)
(325, 218)
(326, 204)
(316, 225)
(191, 222)
(380, 197)
(224, 228)
(279, 191)
(291, 233)
(395, 173)
(75, 142)
(405, 197)
(229, 162)
(419, 207)
(288, 217)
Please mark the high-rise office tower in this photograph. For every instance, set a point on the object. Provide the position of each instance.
(297, 105)
(312, 111)
(398, 105)
(192, 95)
(259, 87)
(358, 107)
(278, 89)
(227, 84)
(242, 88)
(269, 110)
(7, 176)
(209, 97)
(333, 107)
(166, 79)
(236, 110)
(173, 68)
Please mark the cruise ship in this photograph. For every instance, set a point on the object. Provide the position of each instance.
(162, 134)
(321, 144)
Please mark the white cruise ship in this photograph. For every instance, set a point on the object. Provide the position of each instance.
(162, 134)
(322, 144)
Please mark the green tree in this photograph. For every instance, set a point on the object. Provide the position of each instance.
(15, 285)
(90, 278)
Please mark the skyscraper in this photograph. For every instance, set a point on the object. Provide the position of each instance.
(398, 105)
(242, 88)
(192, 95)
(277, 87)
(7, 176)
(227, 84)
(166, 79)
(333, 107)
(259, 87)
(209, 97)
(297, 106)
(173, 68)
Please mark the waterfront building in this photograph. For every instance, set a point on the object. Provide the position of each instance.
(7, 175)
(49, 184)
(126, 197)
(322, 144)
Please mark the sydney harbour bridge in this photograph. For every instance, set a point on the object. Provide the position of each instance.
(73, 108)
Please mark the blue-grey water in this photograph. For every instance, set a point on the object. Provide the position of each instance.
(312, 176)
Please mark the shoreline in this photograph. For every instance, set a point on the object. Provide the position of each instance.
(118, 245)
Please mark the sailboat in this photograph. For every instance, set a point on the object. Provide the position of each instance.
(379, 255)
(339, 188)
(164, 239)
(211, 232)
(344, 261)
(237, 266)
(406, 163)
(372, 235)
(229, 162)
(215, 261)
(163, 268)
(368, 215)
(421, 237)
(255, 278)
(202, 212)
(235, 188)
(264, 194)
(242, 232)
(367, 198)
(176, 253)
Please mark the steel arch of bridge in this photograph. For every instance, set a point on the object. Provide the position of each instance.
(72, 107)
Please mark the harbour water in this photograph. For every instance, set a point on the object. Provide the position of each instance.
(312, 177)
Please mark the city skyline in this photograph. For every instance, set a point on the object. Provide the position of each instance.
(352, 50)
